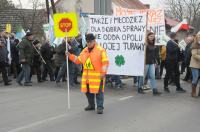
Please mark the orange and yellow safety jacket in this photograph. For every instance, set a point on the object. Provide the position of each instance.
(95, 65)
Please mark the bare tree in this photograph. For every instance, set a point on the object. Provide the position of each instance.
(5, 4)
(36, 4)
(189, 9)
(53, 6)
(33, 19)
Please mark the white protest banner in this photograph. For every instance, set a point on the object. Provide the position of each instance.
(156, 20)
(123, 37)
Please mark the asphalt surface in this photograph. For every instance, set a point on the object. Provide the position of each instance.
(43, 108)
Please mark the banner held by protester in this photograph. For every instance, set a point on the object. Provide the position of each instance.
(66, 25)
(155, 22)
(123, 37)
(65, 22)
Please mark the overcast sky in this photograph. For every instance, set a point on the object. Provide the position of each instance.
(153, 3)
(25, 3)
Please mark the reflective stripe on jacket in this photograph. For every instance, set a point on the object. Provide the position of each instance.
(97, 65)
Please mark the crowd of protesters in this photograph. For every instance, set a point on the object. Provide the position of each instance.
(29, 56)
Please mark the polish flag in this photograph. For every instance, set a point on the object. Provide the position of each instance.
(181, 26)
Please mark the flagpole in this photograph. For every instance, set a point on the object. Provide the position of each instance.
(83, 32)
(39, 54)
(145, 48)
(68, 90)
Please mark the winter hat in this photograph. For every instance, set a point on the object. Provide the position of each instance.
(90, 37)
(28, 34)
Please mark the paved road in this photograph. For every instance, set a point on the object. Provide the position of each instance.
(43, 108)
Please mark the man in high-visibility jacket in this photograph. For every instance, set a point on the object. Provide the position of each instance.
(95, 64)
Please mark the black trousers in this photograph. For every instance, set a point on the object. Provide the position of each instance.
(36, 69)
(99, 97)
(47, 69)
(172, 68)
(16, 69)
(188, 75)
(4, 72)
(183, 67)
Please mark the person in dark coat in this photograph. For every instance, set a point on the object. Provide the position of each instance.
(3, 60)
(187, 54)
(59, 57)
(172, 64)
(63, 68)
(26, 59)
(47, 52)
(15, 58)
(37, 62)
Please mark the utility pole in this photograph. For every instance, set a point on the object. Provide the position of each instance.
(53, 6)
(103, 7)
(48, 10)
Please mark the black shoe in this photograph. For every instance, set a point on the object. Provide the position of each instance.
(167, 90)
(123, 84)
(64, 80)
(89, 108)
(77, 83)
(185, 79)
(27, 84)
(9, 80)
(99, 111)
(7, 84)
(44, 79)
(40, 81)
(180, 90)
(156, 93)
(140, 91)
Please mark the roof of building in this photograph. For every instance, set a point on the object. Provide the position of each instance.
(171, 22)
(21, 17)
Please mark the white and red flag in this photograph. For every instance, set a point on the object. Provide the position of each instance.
(181, 26)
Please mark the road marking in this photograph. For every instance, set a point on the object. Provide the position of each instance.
(38, 123)
(125, 98)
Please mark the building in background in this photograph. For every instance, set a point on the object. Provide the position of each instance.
(78, 6)
(84, 7)
(28, 19)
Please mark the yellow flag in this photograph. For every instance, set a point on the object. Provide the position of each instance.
(65, 24)
(8, 28)
(88, 65)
